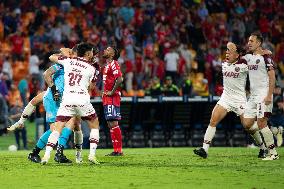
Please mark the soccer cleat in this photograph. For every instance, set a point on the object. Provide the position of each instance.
(119, 154)
(34, 158)
(111, 154)
(93, 160)
(61, 158)
(15, 126)
(200, 152)
(271, 157)
(279, 139)
(79, 158)
(44, 160)
(262, 153)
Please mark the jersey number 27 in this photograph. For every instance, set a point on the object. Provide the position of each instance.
(73, 78)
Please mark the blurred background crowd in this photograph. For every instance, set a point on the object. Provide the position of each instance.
(168, 47)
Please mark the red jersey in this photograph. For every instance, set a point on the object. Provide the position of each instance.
(110, 73)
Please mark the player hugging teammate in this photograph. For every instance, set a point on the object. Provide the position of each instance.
(261, 73)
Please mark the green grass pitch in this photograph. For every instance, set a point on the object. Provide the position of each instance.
(147, 168)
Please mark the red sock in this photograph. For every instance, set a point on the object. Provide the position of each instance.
(117, 132)
(113, 140)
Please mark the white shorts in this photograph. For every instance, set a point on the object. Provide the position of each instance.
(238, 107)
(255, 108)
(66, 111)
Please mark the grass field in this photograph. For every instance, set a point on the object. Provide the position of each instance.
(147, 168)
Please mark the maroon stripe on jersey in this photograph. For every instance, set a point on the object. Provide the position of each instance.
(241, 61)
(63, 118)
(267, 114)
(269, 63)
(62, 57)
(82, 59)
(90, 117)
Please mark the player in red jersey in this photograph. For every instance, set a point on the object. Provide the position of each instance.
(112, 79)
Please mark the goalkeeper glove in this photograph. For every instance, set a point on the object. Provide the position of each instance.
(55, 93)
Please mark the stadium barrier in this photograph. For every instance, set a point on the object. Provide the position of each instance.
(165, 121)
(170, 121)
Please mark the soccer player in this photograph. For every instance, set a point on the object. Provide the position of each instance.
(51, 106)
(78, 74)
(233, 98)
(262, 83)
(112, 79)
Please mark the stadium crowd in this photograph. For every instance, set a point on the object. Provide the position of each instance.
(168, 47)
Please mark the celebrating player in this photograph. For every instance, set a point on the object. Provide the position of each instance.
(51, 106)
(233, 98)
(262, 82)
(78, 74)
(112, 79)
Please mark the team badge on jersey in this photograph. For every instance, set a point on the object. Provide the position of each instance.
(257, 61)
(237, 69)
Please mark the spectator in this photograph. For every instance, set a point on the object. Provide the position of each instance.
(15, 115)
(17, 42)
(23, 88)
(126, 13)
(171, 61)
(7, 67)
(187, 86)
(34, 64)
(185, 53)
(170, 89)
(3, 114)
(14, 97)
(155, 89)
(3, 86)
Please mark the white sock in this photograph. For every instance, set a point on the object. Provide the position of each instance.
(209, 135)
(52, 140)
(29, 109)
(94, 140)
(274, 130)
(78, 140)
(256, 136)
(268, 139)
(280, 130)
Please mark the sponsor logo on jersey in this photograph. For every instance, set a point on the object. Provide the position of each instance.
(237, 69)
(252, 67)
(257, 61)
(231, 74)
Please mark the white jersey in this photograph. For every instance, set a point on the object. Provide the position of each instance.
(78, 74)
(234, 80)
(258, 67)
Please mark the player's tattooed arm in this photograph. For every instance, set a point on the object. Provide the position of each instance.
(48, 79)
(117, 83)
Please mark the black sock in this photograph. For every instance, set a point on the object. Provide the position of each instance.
(60, 149)
(36, 150)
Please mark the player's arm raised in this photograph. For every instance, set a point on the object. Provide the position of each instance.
(271, 75)
(48, 79)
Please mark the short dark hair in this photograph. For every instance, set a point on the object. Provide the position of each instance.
(96, 50)
(83, 48)
(240, 50)
(258, 36)
(116, 53)
(75, 48)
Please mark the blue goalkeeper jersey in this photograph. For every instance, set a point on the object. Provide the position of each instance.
(58, 79)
